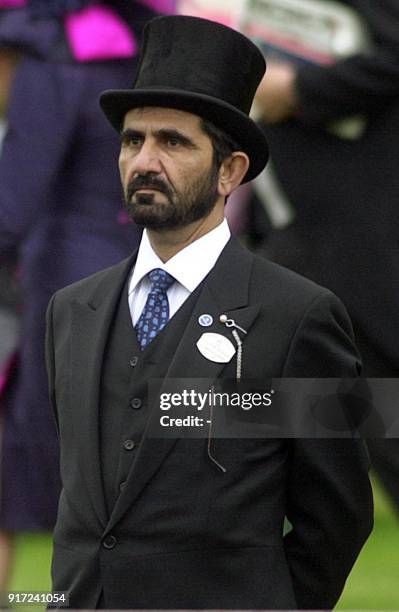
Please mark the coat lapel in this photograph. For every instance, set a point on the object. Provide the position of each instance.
(224, 291)
(90, 328)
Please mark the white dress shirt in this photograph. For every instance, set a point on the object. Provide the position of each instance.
(189, 267)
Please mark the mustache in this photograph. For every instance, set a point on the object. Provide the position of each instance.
(148, 181)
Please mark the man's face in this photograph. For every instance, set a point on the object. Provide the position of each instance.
(167, 170)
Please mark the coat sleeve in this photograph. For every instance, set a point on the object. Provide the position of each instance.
(329, 501)
(41, 120)
(361, 84)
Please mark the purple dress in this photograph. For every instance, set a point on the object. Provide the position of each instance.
(61, 207)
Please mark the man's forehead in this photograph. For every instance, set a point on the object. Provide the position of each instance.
(165, 117)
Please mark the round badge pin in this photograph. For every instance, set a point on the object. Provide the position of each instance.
(216, 347)
(205, 320)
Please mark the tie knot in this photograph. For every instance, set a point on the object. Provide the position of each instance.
(160, 280)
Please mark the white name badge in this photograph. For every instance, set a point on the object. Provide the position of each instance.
(216, 347)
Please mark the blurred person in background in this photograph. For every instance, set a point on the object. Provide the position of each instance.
(60, 208)
(9, 329)
(8, 288)
(333, 130)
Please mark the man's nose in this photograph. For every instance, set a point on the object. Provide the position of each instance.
(147, 159)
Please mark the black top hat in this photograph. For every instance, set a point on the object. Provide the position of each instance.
(201, 67)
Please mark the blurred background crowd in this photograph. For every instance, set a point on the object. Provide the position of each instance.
(326, 207)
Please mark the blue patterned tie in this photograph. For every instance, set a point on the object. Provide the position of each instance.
(155, 313)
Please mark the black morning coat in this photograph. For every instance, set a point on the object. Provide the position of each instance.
(183, 533)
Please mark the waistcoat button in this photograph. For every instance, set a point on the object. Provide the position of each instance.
(128, 445)
(136, 403)
(109, 542)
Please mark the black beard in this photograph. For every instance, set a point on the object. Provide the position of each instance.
(179, 209)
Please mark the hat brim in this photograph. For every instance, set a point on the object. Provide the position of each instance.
(244, 131)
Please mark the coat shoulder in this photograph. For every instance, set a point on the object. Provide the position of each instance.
(285, 286)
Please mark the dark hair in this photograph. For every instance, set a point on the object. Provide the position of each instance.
(223, 144)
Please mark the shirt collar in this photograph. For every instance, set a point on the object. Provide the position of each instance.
(190, 265)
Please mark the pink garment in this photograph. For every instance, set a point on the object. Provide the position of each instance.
(123, 218)
(168, 7)
(6, 372)
(11, 3)
(99, 33)
(3, 382)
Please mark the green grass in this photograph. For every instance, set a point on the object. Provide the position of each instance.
(374, 580)
(31, 570)
(372, 585)
(32, 563)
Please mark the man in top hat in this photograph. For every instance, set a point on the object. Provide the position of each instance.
(183, 522)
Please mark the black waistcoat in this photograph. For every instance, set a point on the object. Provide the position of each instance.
(123, 397)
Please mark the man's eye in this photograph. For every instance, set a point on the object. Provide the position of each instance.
(173, 142)
(131, 141)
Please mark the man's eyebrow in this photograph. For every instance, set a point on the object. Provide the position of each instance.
(163, 134)
(171, 133)
(130, 133)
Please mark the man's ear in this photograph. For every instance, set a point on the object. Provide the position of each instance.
(232, 171)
